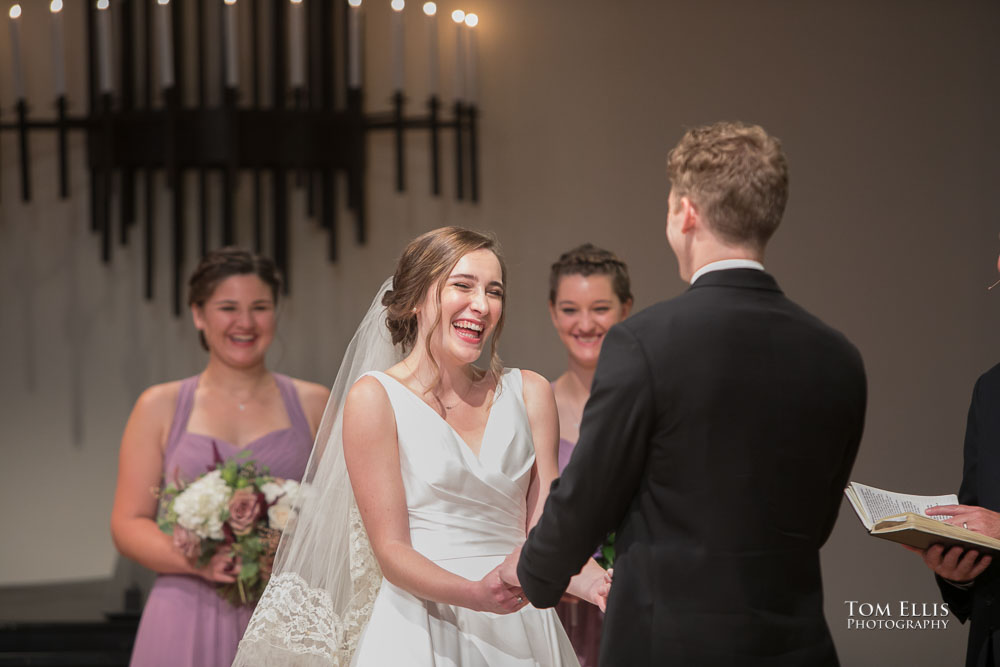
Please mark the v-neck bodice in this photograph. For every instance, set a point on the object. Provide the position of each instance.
(459, 504)
(285, 451)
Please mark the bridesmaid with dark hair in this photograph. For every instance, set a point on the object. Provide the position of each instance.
(589, 292)
(234, 404)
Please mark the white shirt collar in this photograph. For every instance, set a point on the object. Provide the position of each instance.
(724, 264)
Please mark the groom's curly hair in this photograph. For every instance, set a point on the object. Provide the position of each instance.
(737, 174)
(425, 263)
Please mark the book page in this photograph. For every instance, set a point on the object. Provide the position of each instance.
(879, 503)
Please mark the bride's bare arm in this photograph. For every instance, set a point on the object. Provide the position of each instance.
(371, 452)
(591, 583)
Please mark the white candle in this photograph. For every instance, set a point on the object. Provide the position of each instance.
(458, 16)
(354, 44)
(296, 44)
(232, 46)
(15, 50)
(397, 44)
(430, 9)
(164, 35)
(104, 45)
(58, 57)
(471, 20)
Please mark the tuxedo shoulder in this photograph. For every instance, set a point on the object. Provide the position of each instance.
(654, 313)
(990, 379)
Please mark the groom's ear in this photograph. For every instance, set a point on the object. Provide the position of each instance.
(691, 215)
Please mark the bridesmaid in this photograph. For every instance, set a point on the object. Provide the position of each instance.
(235, 404)
(589, 292)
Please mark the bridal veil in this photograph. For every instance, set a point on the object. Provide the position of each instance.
(325, 576)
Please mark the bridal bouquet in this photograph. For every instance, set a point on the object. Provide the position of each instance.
(236, 508)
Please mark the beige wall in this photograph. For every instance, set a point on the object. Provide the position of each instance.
(885, 109)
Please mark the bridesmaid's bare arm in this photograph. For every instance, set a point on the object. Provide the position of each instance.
(140, 470)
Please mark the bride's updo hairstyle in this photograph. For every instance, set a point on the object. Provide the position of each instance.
(426, 262)
(223, 263)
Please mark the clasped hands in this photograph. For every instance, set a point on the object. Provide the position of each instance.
(956, 564)
(592, 585)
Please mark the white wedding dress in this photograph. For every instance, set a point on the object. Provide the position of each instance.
(466, 514)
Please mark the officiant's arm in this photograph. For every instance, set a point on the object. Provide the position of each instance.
(140, 472)
(590, 584)
(590, 498)
(956, 571)
(371, 452)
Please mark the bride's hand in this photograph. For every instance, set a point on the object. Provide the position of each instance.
(491, 594)
(598, 589)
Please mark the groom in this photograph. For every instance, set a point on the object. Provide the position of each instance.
(718, 437)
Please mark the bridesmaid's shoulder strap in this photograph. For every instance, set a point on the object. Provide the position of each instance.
(293, 406)
(185, 402)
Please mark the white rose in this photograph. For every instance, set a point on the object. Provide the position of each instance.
(201, 506)
(271, 491)
(277, 514)
(291, 488)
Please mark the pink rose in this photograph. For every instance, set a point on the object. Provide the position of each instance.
(244, 508)
(187, 542)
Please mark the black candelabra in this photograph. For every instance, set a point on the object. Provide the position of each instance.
(309, 131)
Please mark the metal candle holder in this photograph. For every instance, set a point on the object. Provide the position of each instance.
(313, 137)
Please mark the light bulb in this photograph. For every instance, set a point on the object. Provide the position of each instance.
(430, 8)
(471, 20)
(458, 16)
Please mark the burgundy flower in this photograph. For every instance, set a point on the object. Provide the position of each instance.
(244, 509)
(187, 542)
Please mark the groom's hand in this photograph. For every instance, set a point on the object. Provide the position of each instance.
(508, 569)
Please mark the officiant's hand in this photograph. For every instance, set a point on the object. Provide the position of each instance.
(956, 564)
(974, 518)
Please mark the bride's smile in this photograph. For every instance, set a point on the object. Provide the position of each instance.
(471, 302)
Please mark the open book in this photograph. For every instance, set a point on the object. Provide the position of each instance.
(901, 518)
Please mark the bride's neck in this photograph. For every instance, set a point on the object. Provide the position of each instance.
(445, 379)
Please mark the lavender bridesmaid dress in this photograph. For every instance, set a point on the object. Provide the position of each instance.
(582, 620)
(185, 623)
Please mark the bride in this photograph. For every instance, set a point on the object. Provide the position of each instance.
(450, 465)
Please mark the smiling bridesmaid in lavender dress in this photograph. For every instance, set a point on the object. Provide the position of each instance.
(235, 404)
(589, 292)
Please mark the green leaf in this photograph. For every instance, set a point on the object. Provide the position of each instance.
(229, 475)
(249, 570)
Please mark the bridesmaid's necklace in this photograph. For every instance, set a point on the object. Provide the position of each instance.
(241, 403)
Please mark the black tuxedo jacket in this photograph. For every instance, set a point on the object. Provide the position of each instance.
(981, 486)
(719, 434)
